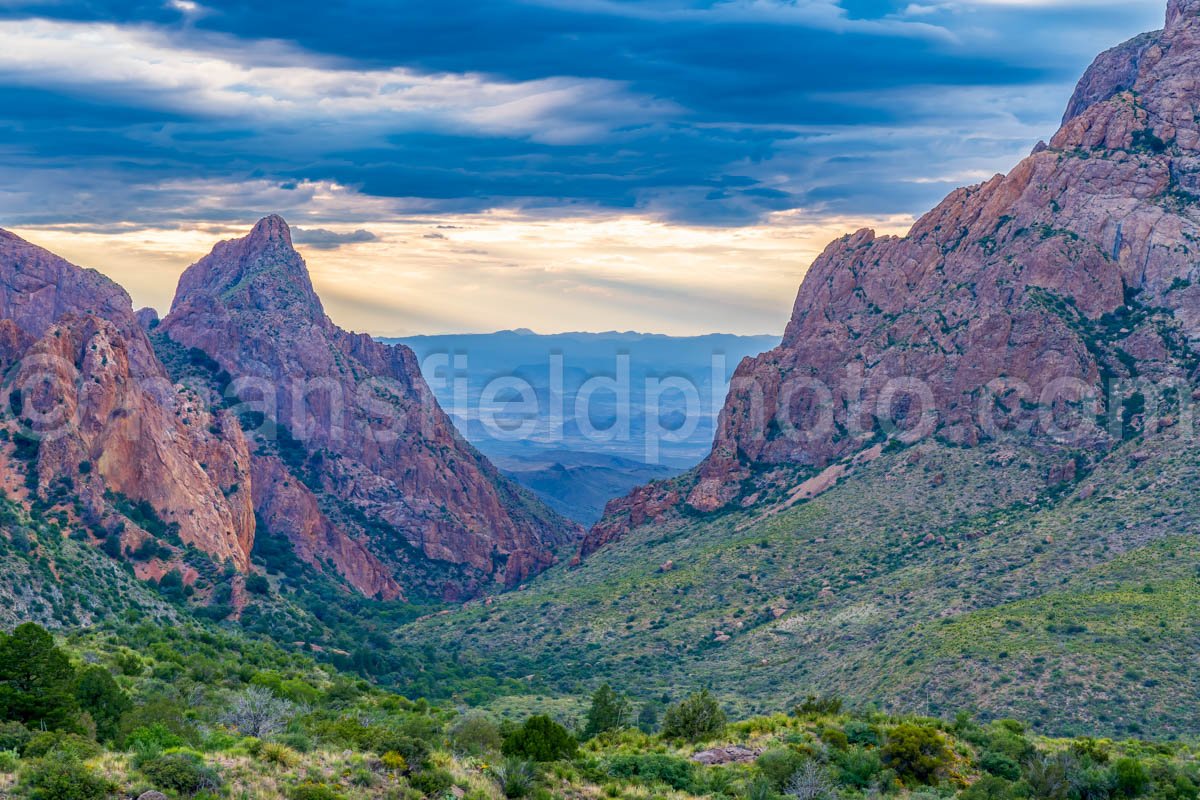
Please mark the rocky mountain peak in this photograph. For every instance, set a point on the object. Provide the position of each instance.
(1078, 267)
(1182, 12)
(271, 229)
(260, 272)
(371, 474)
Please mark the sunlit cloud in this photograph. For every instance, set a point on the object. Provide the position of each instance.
(500, 269)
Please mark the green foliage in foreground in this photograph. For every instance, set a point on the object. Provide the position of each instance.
(182, 704)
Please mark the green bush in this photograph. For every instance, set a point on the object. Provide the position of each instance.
(14, 736)
(859, 767)
(475, 735)
(64, 778)
(608, 712)
(989, 787)
(999, 765)
(313, 791)
(916, 753)
(654, 768)
(258, 584)
(68, 744)
(182, 772)
(151, 740)
(432, 782)
(10, 761)
(778, 765)
(98, 694)
(383, 740)
(1130, 777)
(695, 719)
(540, 739)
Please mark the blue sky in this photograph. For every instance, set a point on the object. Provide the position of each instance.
(667, 165)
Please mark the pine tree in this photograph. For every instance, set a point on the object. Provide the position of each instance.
(36, 679)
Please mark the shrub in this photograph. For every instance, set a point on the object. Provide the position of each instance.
(811, 782)
(760, 789)
(823, 706)
(299, 742)
(10, 760)
(98, 694)
(279, 754)
(432, 782)
(183, 772)
(258, 584)
(152, 739)
(394, 762)
(476, 735)
(64, 779)
(1052, 777)
(608, 712)
(989, 787)
(413, 750)
(515, 777)
(859, 767)
(915, 752)
(778, 765)
(1000, 765)
(257, 711)
(66, 744)
(859, 732)
(695, 719)
(312, 791)
(1130, 777)
(654, 768)
(14, 736)
(835, 738)
(540, 739)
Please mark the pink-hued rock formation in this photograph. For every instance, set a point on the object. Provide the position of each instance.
(1080, 266)
(82, 379)
(391, 485)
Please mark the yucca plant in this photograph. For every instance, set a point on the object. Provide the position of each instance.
(515, 777)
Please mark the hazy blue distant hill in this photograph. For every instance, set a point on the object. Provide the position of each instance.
(641, 406)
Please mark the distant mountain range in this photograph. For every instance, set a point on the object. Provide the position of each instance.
(610, 413)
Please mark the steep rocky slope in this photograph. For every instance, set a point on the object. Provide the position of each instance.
(1025, 550)
(1011, 303)
(103, 428)
(354, 460)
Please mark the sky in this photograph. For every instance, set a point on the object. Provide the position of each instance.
(657, 165)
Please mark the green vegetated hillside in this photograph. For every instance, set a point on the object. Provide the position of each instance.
(133, 709)
(932, 579)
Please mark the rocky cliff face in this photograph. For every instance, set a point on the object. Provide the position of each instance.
(379, 476)
(99, 418)
(1012, 304)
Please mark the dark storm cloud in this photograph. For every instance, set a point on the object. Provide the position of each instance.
(715, 113)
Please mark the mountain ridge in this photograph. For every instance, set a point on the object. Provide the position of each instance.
(1003, 288)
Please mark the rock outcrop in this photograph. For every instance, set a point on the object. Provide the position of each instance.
(1032, 295)
(102, 421)
(392, 481)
